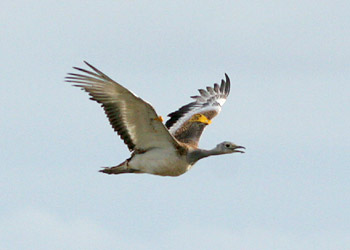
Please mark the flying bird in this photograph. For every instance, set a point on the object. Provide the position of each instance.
(169, 149)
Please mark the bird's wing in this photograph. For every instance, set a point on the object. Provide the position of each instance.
(208, 103)
(135, 120)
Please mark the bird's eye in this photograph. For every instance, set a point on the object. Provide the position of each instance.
(227, 145)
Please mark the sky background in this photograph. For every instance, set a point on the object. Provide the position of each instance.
(289, 106)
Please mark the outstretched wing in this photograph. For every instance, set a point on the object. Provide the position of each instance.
(135, 120)
(208, 103)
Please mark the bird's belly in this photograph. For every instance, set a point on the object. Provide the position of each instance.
(160, 162)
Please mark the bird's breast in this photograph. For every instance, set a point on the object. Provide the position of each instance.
(163, 162)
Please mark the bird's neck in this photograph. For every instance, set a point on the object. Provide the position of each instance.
(198, 154)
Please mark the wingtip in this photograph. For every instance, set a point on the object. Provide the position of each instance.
(98, 72)
(88, 64)
(228, 84)
(227, 78)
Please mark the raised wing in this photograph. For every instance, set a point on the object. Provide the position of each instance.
(135, 120)
(208, 103)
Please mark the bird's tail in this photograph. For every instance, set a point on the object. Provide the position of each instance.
(122, 168)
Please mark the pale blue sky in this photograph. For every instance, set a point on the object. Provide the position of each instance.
(289, 105)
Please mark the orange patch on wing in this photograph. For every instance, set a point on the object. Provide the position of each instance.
(159, 118)
(200, 118)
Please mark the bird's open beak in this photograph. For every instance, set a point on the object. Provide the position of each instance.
(236, 149)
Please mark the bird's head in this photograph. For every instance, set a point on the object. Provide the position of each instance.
(227, 147)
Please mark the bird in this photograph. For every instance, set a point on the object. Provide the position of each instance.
(169, 149)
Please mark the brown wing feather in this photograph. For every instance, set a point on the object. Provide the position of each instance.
(133, 119)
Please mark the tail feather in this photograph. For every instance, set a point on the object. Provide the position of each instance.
(119, 169)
